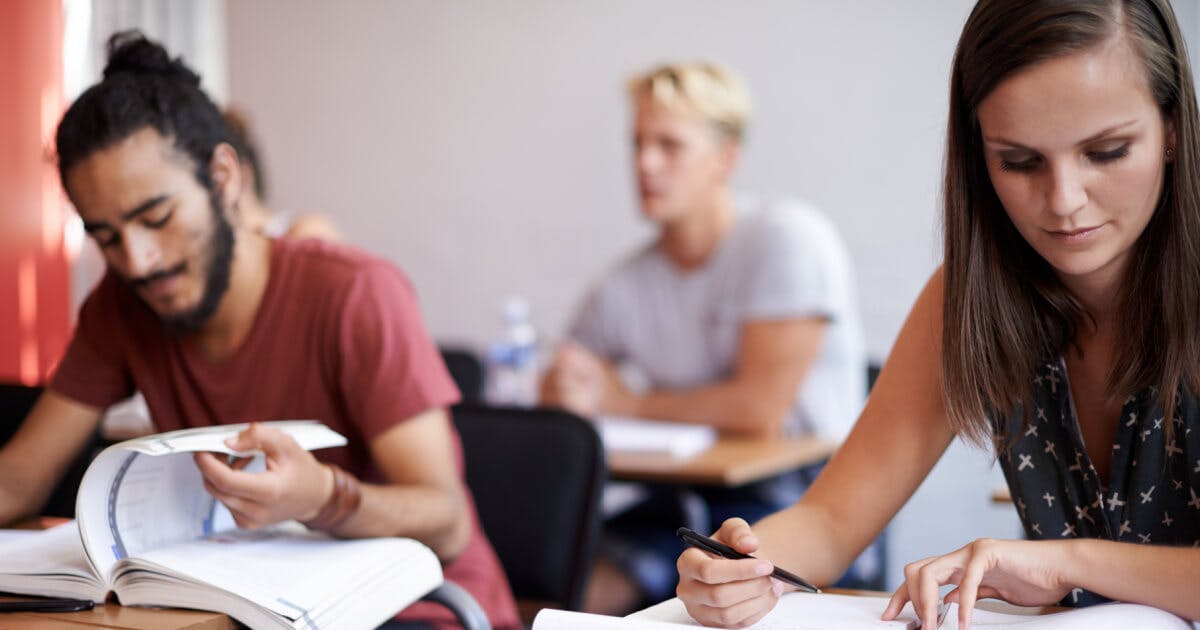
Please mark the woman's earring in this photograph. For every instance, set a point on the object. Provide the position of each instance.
(1170, 154)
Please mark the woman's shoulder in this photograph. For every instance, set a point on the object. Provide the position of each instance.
(933, 294)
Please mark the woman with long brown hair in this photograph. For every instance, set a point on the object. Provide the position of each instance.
(1063, 329)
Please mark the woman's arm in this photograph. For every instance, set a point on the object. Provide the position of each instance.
(1155, 575)
(898, 438)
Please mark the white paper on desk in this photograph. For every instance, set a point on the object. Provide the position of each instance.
(1115, 616)
(794, 612)
(551, 619)
(640, 435)
(797, 611)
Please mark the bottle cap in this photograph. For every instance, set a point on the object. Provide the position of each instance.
(516, 310)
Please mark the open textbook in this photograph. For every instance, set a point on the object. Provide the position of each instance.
(803, 611)
(147, 531)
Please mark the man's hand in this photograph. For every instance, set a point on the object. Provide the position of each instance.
(584, 384)
(294, 485)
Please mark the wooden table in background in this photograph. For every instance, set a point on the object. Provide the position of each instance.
(730, 462)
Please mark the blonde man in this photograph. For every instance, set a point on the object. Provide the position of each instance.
(740, 314)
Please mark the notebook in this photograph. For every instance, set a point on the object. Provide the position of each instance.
(643, 436)
(804, 611)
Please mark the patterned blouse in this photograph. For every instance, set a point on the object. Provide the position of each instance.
(1153, 495)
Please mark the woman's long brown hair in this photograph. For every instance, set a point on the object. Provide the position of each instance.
(1005, 309)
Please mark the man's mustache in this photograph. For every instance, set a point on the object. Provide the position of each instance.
(142, 281)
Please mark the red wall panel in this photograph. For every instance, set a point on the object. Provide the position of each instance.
(34, 266)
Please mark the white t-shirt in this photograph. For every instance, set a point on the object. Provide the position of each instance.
(681, 328)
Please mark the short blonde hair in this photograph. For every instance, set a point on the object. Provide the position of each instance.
(718, 94)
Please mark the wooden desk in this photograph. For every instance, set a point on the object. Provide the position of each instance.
(118, 617)
(730, 462)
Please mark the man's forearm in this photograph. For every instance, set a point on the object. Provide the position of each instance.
(436, 517)
(14, 506)
(730, 406)
(21, 496)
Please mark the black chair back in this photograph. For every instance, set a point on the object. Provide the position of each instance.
(15, 403)
(537, 477)
(467, 371)
(872, 374)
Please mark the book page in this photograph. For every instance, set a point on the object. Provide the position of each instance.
(130, 502)
(309, 434)
(146, 493)
(50, 563)
(9, 535)
(284, 570)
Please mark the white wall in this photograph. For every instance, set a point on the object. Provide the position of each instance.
(483, 146)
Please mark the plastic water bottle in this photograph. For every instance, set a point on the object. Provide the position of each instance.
(513, 359)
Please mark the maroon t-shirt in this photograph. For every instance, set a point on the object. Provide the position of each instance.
(338, 337)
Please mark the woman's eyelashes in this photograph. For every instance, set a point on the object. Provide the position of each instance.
(1027, 165)
(1110, 155)
(1022, 164)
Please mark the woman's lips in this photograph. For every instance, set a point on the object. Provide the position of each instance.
(1075, 236)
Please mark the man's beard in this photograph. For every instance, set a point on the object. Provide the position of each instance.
(216, 277)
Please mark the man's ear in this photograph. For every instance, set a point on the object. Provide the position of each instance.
(731, 154)
(226, 173)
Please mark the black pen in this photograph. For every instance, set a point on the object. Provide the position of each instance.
(701, 541)
(46, 605)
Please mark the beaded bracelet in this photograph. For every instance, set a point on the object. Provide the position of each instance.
(342, 504)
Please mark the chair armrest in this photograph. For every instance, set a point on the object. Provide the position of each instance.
(460, 602)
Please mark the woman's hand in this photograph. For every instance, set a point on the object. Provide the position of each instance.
(727, 593)
(1020, 572)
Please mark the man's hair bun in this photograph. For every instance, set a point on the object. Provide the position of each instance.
(130, 52)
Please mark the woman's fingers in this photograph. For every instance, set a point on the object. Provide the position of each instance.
(926, 602)
(739, 615)
(968, 589)
(896, 603)
(736, 533)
